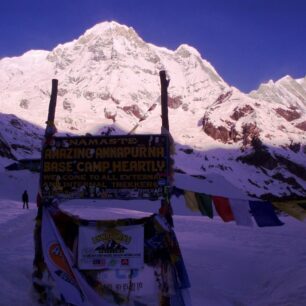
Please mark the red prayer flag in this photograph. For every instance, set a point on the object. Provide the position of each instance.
(223, 208)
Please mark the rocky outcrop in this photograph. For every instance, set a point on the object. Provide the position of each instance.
(262, 158)
(89, 95)
(5, 149)
(259, 158)
(288, 114)
(220, 133)
(250, 131)
(174, 102)
(223, 97)
(240, 112)
(295, 147)
(134, 110)
(17, 123)
(301, 126)
(110, 114)
(24, 103)
(67, 105)
(293, 167)
(228, 133)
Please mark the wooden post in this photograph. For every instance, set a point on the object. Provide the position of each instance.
(50, 128)
(52, 105)
(38, 263)
(164, 99)
(165, 205)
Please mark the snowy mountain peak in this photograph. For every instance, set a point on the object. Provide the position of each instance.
(302, 81)
(286, 91)
(109, 83)
(105, 26)
(110, 32)
(185, 50)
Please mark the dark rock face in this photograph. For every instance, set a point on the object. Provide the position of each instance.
(294, 168)
(220, 133)
(110, 115)
(260, 158)
(229, 133)
(250, 131)
(5, 150)
(68, 105)
(295, 147)
(288, 180)
(302, 126)
(16, 123)
(187, 151)
(24, 103)
(27, 149)
(174, 102)
(240, 112)
(223, 97)
(133, 110)
(116, 101)
(289, 115)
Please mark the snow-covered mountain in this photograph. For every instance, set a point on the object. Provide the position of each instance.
(109, 83)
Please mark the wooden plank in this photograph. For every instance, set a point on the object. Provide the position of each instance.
(164, 99)
(53, 99)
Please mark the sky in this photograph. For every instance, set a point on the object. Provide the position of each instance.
(247, 41)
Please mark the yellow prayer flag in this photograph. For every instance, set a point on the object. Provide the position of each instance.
(293, 208)
(191, 200)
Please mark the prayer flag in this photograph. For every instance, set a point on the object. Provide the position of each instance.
(241, 211)
(295, 209)
(223, 208)
(205, 204)
(191, 200)
(264, 214)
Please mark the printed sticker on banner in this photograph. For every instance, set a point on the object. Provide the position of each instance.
(111, 248)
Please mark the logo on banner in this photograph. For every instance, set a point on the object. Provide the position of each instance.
(116, 247)
(110, 241)
(57, 257)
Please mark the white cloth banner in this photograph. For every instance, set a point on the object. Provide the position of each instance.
(69, 281)
(134, 283)
(58, 265)
(241, 212)
(119, 247)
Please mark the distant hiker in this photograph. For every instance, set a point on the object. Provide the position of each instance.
(25, 199)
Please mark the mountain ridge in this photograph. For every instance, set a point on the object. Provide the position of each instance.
(109, 81)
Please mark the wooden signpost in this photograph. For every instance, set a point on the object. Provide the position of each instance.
(128, 167)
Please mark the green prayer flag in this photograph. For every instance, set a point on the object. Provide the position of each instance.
(205, 204)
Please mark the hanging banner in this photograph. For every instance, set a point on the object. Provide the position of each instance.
(112, 167)
(111, 247)
(58, 265)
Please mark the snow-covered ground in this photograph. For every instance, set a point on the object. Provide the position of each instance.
(228, 264)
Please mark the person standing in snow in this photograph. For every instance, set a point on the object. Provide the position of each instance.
(25, 199)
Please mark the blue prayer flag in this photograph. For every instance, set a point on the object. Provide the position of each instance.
(264, 214)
